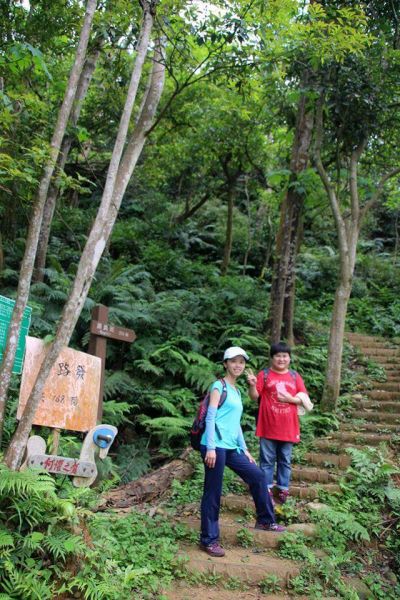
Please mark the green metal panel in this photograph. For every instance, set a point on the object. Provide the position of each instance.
(6, 309)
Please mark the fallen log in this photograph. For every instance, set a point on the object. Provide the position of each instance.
(149, 487)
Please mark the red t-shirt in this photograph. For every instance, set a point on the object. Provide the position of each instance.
(278, 420)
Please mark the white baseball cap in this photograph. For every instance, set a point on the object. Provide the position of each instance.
(235, 351)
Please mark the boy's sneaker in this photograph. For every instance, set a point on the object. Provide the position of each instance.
(283, 496)
(213, 549)
(270, 527)
(271, 495)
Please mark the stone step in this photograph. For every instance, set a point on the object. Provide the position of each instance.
(383, 395)
(367, 340)
(359, 438)
(329, 460)
(313, 474)
(242, 564)
(388, 366)
(378, 416)
(389, 386)
(182, 590)
(337, 445)
(230, 531)
(381, 352)
(392, 376)
(378, 427)
(242, 502)
(379, 406)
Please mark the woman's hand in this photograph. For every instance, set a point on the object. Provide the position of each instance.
(210, 458)
(249, 456)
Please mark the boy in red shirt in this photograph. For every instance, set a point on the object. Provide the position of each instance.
(280, 391)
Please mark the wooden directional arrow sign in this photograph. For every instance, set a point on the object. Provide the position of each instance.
(114, 332)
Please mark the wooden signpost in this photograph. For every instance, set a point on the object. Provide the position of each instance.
(72, 399)
(70, 394)
(100, 331)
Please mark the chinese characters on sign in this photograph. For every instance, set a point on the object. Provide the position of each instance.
(61, 465)
(113, 332)
(71, 393)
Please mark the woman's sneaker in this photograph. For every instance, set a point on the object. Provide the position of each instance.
(283, 495)
(270, 527)
(213, 549)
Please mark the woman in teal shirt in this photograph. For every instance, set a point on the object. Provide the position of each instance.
(223, 444)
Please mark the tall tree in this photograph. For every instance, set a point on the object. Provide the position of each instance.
(357, 125)
(331, 43)
(288, 236)
(123, 161)
(37, 212)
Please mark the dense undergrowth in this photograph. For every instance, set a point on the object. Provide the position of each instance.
(51, 543)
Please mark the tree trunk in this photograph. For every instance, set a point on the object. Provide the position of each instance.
(118, 177)
(290, 291)
(37, 213)
(150, 486)
(48, 212)
(229, 228)
(287, 241)
(335, 348)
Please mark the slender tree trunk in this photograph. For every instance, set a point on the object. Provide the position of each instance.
(37, 213)
(290, 291)
(287, 241)
(336, 336)
(119, 173)
(49, 207)
(229, 228)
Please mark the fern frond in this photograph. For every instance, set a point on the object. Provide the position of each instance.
(168, 427)
(28, 482)
(60, 543)
(345, 523)
(6, 539)
(147, 367)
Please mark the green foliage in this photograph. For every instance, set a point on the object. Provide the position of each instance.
(35, 531)
(345, 523)
(270, 584)
(245, 537)
(133, 460)
(293, 546)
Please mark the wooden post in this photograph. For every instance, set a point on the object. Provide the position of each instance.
(56, 441)
(98, 347)
(100, 330)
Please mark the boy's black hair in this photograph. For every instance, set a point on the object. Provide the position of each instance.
(279, 347)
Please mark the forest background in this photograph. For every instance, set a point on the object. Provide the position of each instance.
(263, 201)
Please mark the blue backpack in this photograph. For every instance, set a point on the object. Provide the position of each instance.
(199, 423)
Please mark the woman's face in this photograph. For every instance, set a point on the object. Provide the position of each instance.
(235, 366)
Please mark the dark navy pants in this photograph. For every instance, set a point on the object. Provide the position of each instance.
(211, 501)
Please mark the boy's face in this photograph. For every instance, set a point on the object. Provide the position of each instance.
(280, 362)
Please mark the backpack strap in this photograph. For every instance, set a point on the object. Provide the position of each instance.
(224, 393)
(291, 371)
(294, 375)
(266, 373)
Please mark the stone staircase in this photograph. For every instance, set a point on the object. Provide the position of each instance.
(374, 418)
